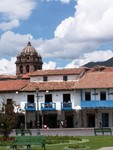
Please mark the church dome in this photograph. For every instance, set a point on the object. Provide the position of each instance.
(29, 60)
(29, 50)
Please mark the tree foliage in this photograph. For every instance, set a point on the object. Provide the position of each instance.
(7, 118)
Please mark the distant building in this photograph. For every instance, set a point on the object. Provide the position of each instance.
(28, 60)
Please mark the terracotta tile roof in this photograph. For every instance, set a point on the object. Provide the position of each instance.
(12, 85)
(97, 68)
(26, 76)
(44, 86)
(95, 80)
(108, 69)
(74, 71)
(101, 68)
(4, 76)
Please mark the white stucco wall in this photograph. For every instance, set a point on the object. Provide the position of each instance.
(57, 97)
(97, 97)
(77, 98)
(54, 78)
(18, 98)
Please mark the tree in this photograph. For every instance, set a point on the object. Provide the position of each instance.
(7, 118)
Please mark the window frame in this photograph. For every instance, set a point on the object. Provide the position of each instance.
(65, 78)
(87, 96)
(102, 95)
(45, 78)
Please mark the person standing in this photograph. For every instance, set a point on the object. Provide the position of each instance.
(22, 128)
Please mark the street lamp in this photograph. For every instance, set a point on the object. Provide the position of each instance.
(38, 122)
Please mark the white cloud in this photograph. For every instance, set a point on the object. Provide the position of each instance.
(93, 19)
(9, 25)
(8, 66)
(63, 28)
(91, 26)
(63, 48)
(76, 37)
(62, 1)
(12, 12)
(95, 56)
(83, 33)
(49, 65)
(14, 44)
(11, 44)
(65, 1)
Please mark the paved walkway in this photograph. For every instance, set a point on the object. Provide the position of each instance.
(106, 148)
(64, 131)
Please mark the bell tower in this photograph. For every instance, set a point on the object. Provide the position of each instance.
(29, 60)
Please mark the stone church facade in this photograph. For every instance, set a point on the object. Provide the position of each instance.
(29, 60)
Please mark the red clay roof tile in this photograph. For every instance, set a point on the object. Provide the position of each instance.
(12, 85)
(95, 80)
(4, 76)
(59, 72)
(44, 86)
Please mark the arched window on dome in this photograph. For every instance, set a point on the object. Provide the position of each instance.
(39, 67)
(27, 58)
(27, 68)
(21, 69)
(35, 67)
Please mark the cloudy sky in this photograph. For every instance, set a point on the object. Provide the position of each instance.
(67, 33)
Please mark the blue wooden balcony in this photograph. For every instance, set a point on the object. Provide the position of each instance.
(30, 106)
(48, 106)
(97, 104)
(66, 105)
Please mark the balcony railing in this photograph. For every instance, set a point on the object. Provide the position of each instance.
(30, 106)
(48, 106)
(66, 105)
(97, 104)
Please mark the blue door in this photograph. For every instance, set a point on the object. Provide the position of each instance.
(105, 119)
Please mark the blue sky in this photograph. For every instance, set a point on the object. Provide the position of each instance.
(67, 33)
(45, 18)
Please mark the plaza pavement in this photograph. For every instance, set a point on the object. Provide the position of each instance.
(106, 148)
(67, 131)
(64, 131)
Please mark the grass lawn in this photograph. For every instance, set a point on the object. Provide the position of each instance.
(95, 142)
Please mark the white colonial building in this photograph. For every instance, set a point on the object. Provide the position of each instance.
(70, 98)
(96, 97)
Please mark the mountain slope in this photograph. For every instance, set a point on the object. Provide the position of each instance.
(107, 63)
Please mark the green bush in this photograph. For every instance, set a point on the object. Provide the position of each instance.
(61, 139)
(6, 141)
(75, 146)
